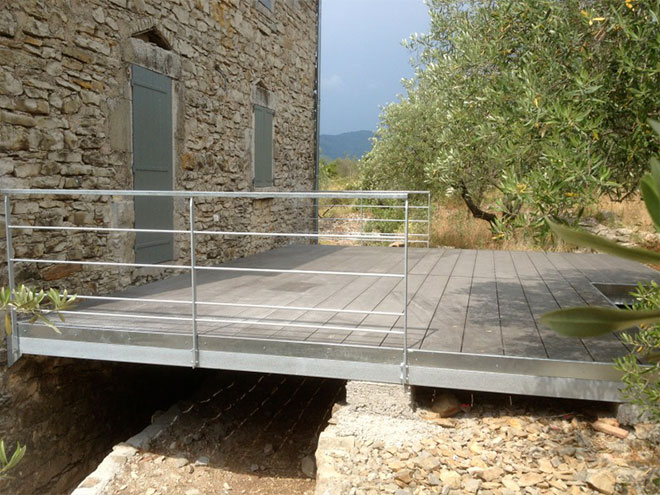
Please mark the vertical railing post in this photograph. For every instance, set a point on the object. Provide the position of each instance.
(361, 221)
(428, 220)
(13, 348)
(193, 283)
(404, 364)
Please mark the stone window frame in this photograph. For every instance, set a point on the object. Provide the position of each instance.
(135, 51)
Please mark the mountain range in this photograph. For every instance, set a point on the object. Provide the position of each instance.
(348, 144)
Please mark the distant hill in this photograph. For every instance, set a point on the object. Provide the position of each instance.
(351, 144)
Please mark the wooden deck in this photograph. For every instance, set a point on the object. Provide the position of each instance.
(461, 303)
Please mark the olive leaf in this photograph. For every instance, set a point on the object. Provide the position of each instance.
(36, 305)
(585, 239)
(651, 198)
(655, 125)
(7, 464)
(594, 321)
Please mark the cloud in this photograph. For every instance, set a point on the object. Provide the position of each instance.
(333, 82)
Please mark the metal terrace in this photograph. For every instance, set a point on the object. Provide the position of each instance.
(434, 317)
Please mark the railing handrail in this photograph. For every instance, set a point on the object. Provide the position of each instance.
(193, 266)
(212, 194)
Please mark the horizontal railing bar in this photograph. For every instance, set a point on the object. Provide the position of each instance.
(306, 272)
(210, 268)
(366, 219)
(290, 234)
(240, 321)
(399, 236)
(100, 263)
(96, 229)
(398, 190)
(124, 315)
(210, 194)
(208, 232)
(375, 206)
(238, 305)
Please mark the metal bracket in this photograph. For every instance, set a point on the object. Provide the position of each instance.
(13, 347)
(404, 376)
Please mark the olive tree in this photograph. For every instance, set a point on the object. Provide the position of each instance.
(526, 108)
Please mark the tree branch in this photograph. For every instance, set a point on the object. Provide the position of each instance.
(474, 209)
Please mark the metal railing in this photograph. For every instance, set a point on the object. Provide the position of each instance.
(363, 220)
(194, 267)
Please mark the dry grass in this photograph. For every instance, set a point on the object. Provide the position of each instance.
(629, 213)
(453, 225)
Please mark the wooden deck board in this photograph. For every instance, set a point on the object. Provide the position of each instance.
(482, 333)
(477, 302)
(603, 348)
(446, 330)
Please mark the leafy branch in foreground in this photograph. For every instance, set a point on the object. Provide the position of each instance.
(7, 464)
(37, 305)
(642, 380)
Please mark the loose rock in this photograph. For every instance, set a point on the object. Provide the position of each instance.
(446, 404)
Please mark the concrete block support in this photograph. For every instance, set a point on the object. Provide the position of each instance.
(380, 398)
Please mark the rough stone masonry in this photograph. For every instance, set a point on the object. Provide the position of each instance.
(65, 122)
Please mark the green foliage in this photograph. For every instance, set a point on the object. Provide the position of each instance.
(595, 321)
(35, 304)
(582, 238)
(642, 381)
(527, 108)
(7, 464)
(341, 173)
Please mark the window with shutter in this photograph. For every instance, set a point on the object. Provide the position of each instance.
(263, 146)
(267, 3)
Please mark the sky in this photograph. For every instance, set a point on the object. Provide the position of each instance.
(362, 60)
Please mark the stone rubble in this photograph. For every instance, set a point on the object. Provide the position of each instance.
(485, 451)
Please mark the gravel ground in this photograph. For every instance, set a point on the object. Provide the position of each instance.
(256, 434)
(526, 446)
(240, 433)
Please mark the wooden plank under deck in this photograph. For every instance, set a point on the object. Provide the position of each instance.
(465, 301)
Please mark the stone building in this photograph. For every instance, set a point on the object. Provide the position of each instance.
(220, 95)
(213, 95)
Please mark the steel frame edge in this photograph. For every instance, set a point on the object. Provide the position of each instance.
(13, 342)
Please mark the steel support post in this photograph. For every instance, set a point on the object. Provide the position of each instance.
(361, 221)
(193, 284)
(13, 347)
(404, 364)
(428, 220)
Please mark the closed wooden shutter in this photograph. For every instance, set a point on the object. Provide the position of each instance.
(152, 163)
(263, 146)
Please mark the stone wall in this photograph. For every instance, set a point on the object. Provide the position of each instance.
(65, 122)
(69, 413)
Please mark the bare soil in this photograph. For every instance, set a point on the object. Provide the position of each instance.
(240, 433)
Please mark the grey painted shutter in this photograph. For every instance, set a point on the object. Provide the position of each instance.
(263, 146)
(152, 163)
